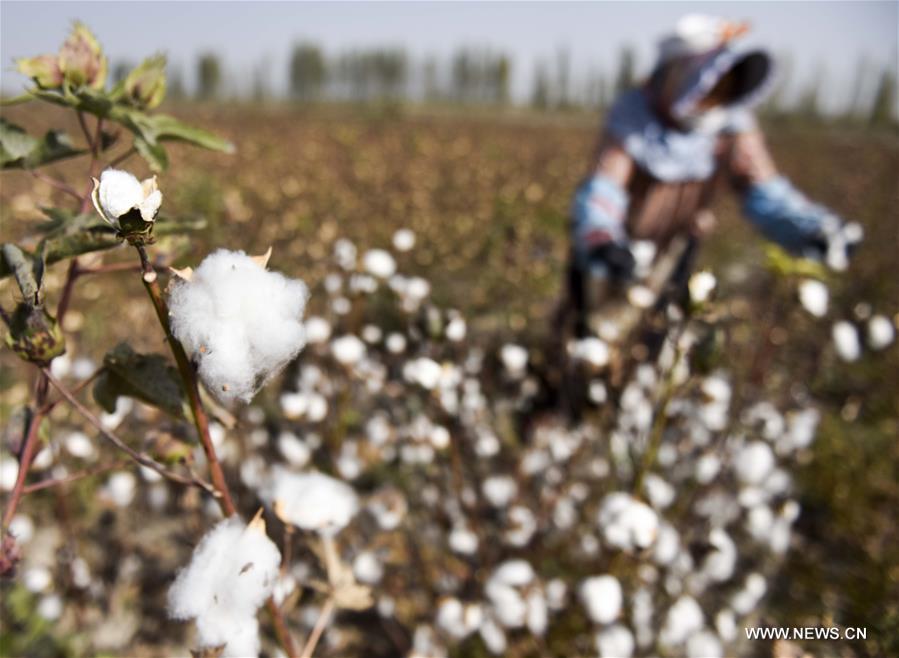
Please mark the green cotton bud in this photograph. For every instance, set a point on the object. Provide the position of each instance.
(35, 335)
(145, 86)
(43, 69)
(81, 59)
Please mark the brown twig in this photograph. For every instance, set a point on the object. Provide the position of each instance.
(56, 184)
(141, 458)
(121, 158)
(66, 296)
(319, 628)
(47, 484)
(50, 406)
(27, 452)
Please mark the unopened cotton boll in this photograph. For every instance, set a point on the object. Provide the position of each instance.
(602, 598)
(846, 341)
(881, 332)
(379, 263)
(231, 573)
(312, 500)
(616, 641)
(814, 297)
(239, 322)
(347, 350)
(403, 239)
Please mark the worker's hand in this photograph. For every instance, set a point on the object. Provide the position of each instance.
(614, 260)
(834, 242)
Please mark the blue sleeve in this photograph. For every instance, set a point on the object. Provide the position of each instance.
(784, 215)
(597, 214)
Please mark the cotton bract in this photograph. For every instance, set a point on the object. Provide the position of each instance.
(239, 322)
(232, 572)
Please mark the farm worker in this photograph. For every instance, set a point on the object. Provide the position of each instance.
(667, 143)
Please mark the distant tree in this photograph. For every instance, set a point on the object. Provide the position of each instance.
(883, 109)
(463, 76)
(563, 76)
(307, 72)
(502, 75)
(209, 76)
(120, 71)
(810, 100)
(430, 83)
(626, 76)
(389, 69)
(540, 96)
(175, 84)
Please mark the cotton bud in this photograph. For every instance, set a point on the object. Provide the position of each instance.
(145, 85)
(240, 323)
(701, 285)
(43, 69)
(128, 205)
(813, 295)
(35, 335)
(846, 341)
(81, 60)
(602, 598)
(232, 572)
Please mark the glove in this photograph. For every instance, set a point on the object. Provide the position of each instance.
(612, 259)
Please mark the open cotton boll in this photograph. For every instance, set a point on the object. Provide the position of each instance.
(880, 332)
(312, 500)
(592, 351)
(347, 349)
(683, 619)
(239, 322)
(754, 462)
(627, 523)
(231, 573)
(616, 641)
(403, 239)
(814, 296)
(701, 285)
(704, 644)
(846, 342)
(514, 358)
(379, 263)
(602, 598)
(118, 192)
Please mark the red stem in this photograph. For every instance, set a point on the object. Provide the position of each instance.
(28, 450)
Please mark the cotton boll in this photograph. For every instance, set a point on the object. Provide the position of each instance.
(616, 641)
(514, 358)
(9, 472)
(659, 492)
(379, 263)
(627, 523)
(293, 405)
(701, 285)
(846, 341)
(556, 594)
(79, 445)
(37, 579)
(403, 239)
(523, 526)
(813, 295)
(592, 351)
(641, 296)
(602, 598)
(293, 449)
(704, 644)
(82, 368)
(720, 563)
(367, 568)
(239, 322)
(312, 500)
(423, 371)
(537, 617)
(318, 330)
(396, 343)
(667, 546)
(754, 462)
(22, 528)
(231, 573)
(514, 573)
(499, 490)
(707, 467)
(683, 619)
(493, 636)
(345, 254)
(50, 607)
(881, 332)
(61, 366)
(462, 540)
(120, 488)
(726, 625)
(347, 350)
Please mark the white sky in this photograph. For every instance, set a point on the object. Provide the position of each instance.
(248, 35)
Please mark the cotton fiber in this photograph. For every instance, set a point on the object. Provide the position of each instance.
(239, 322)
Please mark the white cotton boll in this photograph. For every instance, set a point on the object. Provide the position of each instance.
(389, 508)
(720, 563)
(9, 472)
(61, 366)
(396, 343)
(745, 600)
(293, 405)
(293, 449)
(312, 500)
(456, 330)
(79, 445)
(81, 573)
(514, 358)
(707, 467)
(119, 192)
(537, 618)
(239, 322)
(379, 263)
(493, 636)
(372, 334)
(423, 371)
(345, 254)
(22, 528)
(556, 594)
(641, 296)
(439, 437)
(232, 572)
(449, 618)
(499, 490)
(597, 392)
(341, 306)
(592, 351)
(523, 526)
(462, 540)
(347, 350)
(37, 579)
(403, 239)
(667, 546)
(759, 522)
(318, 330)
(602, 598)
(82, 368)
(616, 641)
(50, 607)
(754, 462)
(318, 408)
(881, 332)
(644, 251)
(701, 286)
(683, 619)
(814, 297)
(704, 644)
(846, 341)
(659, 492)
(120, 488)
(368, 568)
(627, 523)
(514, 573)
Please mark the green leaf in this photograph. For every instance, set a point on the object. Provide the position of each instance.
(145, 377)
(169, 128)
(18, 149)
(154, 154)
